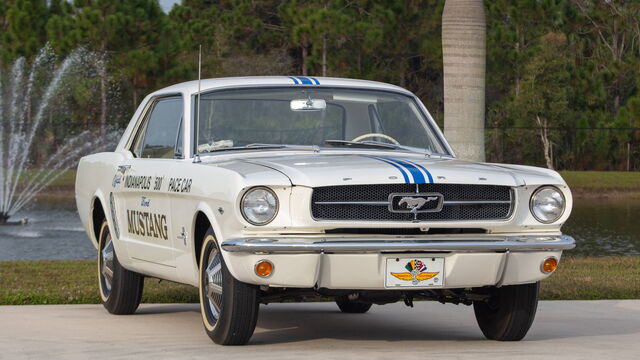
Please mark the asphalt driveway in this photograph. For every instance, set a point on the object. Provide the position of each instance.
(562, 330)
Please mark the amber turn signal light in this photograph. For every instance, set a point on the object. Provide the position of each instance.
(264, 268)
(549, 265)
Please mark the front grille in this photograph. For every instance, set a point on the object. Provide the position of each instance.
(404, 231)
(371, 202)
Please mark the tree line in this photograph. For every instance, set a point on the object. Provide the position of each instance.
(563, 76)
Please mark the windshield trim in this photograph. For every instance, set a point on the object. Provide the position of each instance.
(428, 119)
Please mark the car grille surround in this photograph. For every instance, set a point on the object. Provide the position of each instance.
(462, 202)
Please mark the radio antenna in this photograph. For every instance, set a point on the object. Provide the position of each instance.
(196, 157)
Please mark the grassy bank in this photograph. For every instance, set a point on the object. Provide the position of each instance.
(603, 183)
(594, 279)
(74, 282)
(65, 179)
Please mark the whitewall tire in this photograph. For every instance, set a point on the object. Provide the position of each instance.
(120, 289)
(229, 307)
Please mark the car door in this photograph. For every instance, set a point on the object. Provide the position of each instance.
(142, 201)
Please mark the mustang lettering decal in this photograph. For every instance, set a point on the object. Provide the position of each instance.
(144, 223)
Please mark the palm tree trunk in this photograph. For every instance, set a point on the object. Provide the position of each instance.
(464, 60)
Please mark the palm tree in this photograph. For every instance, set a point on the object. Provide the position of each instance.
(464, 60)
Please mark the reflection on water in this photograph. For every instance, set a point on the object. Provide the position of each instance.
(54, 232)
(601, 227)
(605, 227)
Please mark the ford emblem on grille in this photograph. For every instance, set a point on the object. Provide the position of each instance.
(416, 203)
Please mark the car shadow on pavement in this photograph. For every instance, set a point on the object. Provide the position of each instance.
(279, 326)
(585, 318)
(154, 309)
(294, 324)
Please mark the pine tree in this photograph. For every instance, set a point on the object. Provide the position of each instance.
(25, 22)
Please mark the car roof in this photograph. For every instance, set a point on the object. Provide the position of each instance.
(191, 87)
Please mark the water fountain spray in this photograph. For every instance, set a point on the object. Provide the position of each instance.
(33, 88)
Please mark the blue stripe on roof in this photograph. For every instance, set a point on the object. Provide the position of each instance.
(295, 81)
(305, 80)
(316, 81)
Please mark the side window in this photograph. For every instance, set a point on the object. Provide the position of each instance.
(160, 136)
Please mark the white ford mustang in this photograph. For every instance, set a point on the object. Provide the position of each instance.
(262, 189)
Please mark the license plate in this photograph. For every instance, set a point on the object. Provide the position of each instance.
(414, 272)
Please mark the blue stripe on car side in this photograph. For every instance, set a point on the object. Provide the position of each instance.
(304, 80)
(295, 81)
(423, 169)
(418, 178)
(402, 171)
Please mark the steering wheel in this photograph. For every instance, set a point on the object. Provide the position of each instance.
(370, 135)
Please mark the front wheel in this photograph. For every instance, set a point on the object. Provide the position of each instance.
(509, 312)
(229, 307)
(120, 289)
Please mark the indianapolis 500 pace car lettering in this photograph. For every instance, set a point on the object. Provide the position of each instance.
(293, 187)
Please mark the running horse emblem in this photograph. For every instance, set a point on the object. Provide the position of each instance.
(415, 203)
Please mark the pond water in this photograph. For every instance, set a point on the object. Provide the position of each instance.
(54, 232)
(605, 227)
(601, 227)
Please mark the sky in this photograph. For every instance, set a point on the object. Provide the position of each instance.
(168, 4)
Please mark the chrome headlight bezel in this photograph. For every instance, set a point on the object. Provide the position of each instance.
(532, 204)
(276, 206)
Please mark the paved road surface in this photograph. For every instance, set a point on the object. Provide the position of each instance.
(562, 330)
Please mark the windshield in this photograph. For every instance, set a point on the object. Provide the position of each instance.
(255, 118)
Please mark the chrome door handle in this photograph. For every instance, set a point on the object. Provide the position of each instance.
(123, 168)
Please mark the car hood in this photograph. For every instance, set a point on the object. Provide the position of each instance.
(341, 169)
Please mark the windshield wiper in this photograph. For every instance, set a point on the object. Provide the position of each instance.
(250, 147)
(378, 144)
(374, 144)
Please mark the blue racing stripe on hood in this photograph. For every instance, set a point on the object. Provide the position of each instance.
(418, 178)
(423, 169)
(402, 171)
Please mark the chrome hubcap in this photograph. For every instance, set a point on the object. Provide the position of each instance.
(213, 284)
(107, 263)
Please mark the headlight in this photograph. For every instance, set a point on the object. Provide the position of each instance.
(259, 206)
(547, 204)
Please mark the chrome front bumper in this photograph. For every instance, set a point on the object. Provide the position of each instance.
(467, 243)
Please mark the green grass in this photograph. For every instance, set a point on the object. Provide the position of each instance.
(75, 282)
(602, 180)
(594, 279)
(66, 180)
